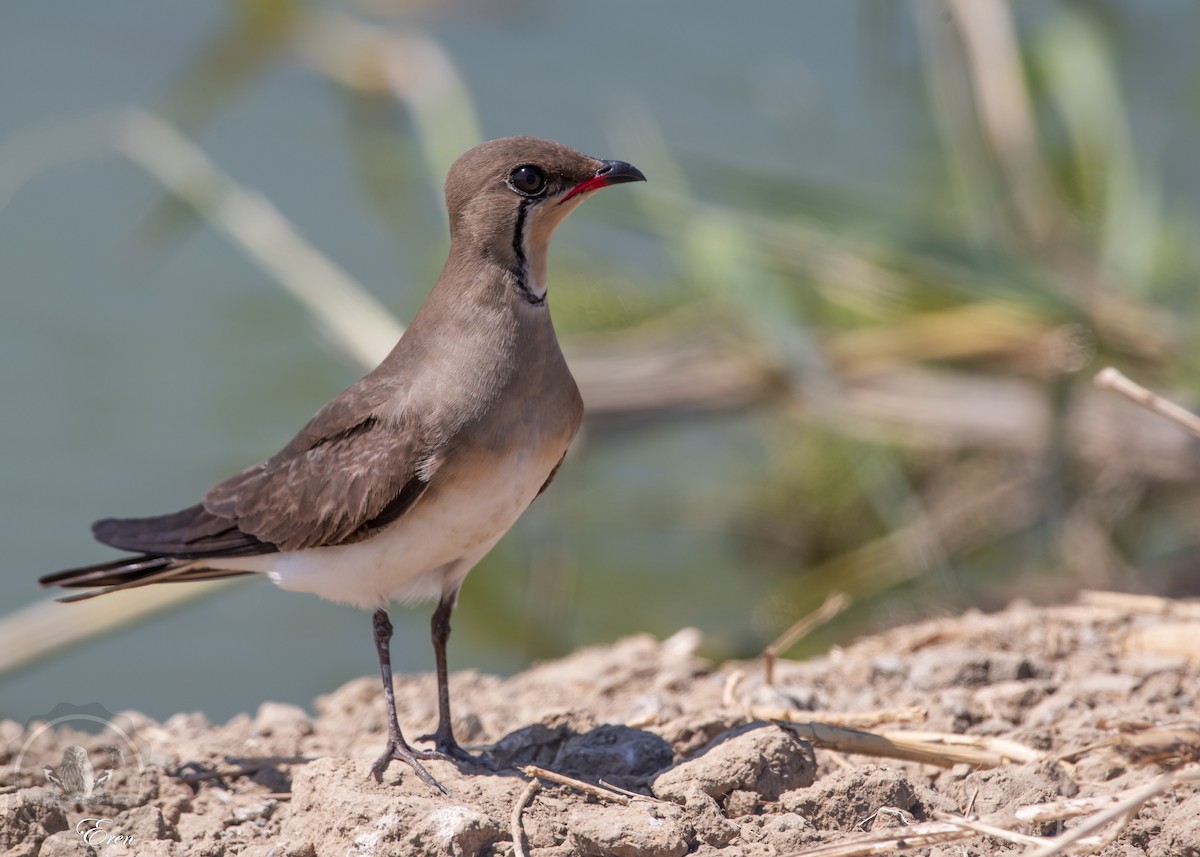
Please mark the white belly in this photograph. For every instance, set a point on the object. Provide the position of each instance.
(425, 554)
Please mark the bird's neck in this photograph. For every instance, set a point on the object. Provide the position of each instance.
(517, 271)
(529, 266)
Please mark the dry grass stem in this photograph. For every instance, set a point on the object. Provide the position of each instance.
(357, 322)
(1006, 112)
(1170, 746)
(1107, 809)
(1111, 379)
(834, 604)
(632, 794)
(518, 833)
(921, 835)
(927, 748)
(564, 780)
(844, 719)
(985, 829)
(1126, 806)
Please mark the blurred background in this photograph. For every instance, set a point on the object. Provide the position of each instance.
(842, 340)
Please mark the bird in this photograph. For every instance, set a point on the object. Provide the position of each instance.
(398, 486)
(75, 776)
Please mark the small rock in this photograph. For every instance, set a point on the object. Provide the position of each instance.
(456, 831)
(1009, 700)
(65, 843)
(789, 832)
(279, 728)
(254, 812)
(755, 692)
(1053, 709)
(740, 802)
(709, 825)
(273, 779)
(148, 824)
(887, 817)
(380, 820)
(758, 757)
(691, 732)
(938, 667)
(29, 815)
(273, 717)
(1017, 785)
(652, 709)
(639, 830)
(844, 798)
(1182, 830)
(540, 743)
(682, 645)
(612, 750)
(459, 831)
(1106, 686)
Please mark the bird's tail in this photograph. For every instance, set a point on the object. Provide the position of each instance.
(131, 572)
(169, 548)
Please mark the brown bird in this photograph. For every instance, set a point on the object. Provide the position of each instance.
(402, 483)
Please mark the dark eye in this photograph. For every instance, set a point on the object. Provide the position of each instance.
(527, 180)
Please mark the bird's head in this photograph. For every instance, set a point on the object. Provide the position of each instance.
(507, 196)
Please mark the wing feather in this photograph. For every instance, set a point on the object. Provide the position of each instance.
(324, 491)
(348, 472)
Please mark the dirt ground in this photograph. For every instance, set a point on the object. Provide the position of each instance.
(1030, 725)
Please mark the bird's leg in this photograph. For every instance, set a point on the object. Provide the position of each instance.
(397, 747)
(443, 736)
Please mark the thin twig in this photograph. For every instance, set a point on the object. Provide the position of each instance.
(892, 840)
(564, 780)
(1123, 810)
(986, 829)
(518, 833)
(632, 794)
(834, 604)
(1121, 807)
(1111, 379)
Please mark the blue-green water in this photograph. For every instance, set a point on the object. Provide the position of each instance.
(135, 373)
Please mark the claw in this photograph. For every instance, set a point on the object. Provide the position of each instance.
(399, 751)
(451, 751)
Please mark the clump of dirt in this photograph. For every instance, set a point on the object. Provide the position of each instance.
(1033, 720)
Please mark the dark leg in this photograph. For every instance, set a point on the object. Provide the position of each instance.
(443, 737)
(397, 748)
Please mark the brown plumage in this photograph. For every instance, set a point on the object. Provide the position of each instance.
(398, 486)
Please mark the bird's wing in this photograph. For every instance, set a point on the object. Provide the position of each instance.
(349, 471)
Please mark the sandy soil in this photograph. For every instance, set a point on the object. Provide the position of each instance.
(1056, 718)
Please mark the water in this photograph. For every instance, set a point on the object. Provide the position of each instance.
(133, 375)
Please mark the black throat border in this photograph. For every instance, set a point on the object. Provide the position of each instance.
(521, 268)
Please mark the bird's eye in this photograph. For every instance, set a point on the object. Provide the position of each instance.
(527, 180)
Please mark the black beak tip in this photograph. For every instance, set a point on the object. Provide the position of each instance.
(619, 172)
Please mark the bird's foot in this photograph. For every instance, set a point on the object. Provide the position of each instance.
(445, 747)
(398, 750)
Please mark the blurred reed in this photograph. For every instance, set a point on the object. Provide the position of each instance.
(920, 389)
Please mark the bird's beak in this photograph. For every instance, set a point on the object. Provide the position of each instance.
(610, 172)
